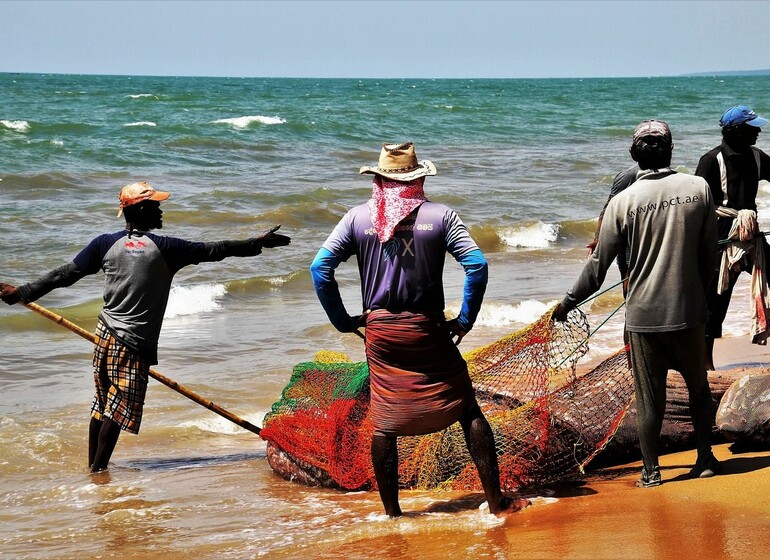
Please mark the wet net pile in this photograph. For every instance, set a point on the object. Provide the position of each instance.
(548, 420)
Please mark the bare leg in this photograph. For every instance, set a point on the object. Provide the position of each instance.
(481, 445)
(93, 439)
(102, 437)
(385, 462)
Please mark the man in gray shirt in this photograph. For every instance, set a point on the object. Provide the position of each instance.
(139, 266)
(666, 223)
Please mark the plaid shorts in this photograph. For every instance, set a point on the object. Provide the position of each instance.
(120, 376)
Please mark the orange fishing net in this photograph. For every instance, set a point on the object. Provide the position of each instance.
(548, 420)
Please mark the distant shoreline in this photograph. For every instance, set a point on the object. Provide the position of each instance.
(765, 72)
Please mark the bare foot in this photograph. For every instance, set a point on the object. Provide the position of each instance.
(101, 477)
(510, 505)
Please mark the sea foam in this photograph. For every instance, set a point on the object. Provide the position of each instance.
(763, 203)
(502, 315)
(189, 300)
(219, 425)
(244, 122)
(18, 126)
(141, 123)
(532, 236)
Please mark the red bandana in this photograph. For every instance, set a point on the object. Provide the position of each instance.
(391, 202)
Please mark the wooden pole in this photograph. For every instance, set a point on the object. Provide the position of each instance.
(59, 320)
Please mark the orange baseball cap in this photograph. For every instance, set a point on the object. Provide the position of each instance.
(137, 192)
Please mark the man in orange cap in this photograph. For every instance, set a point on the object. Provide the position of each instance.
(139, 267)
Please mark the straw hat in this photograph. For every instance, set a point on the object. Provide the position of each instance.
(399, 162)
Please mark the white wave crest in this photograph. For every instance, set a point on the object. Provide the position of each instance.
(244, 122)
(533, 236)
(141, 123)
(504, 314)
(189, 300)
(140, 95)
(509, 318)
(18, 126)
(219, 425)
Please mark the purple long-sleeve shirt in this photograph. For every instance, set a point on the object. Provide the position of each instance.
(406, 272)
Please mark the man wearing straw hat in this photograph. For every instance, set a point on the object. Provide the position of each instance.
(139, 267)
(665, 220)
(419, 381)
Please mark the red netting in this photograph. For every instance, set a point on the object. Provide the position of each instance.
(548, 421)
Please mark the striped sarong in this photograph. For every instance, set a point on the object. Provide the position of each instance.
(419, 380)
(120, 376)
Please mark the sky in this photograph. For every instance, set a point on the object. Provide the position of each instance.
(374, 39)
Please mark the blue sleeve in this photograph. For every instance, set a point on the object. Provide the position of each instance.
(91, 258)
(180, 253)
(327, 290)
(476, 275)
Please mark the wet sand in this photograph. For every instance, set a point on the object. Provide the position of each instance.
(191, 486)
(605, 516)
(727, 516)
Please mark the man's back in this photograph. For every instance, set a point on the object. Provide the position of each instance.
(734, 180)
(405, 273)
(666, 221)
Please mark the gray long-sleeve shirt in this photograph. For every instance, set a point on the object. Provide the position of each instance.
(667, 223)
(139, 267)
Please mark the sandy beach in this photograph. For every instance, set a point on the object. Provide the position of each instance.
(212, 494)
(606, 516)
(603, 516)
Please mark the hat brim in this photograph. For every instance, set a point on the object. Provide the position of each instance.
(160, 196)
(423, 169)
(758, 122)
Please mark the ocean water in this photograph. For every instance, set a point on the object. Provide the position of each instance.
(526, 163)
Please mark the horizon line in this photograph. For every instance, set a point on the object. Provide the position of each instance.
(719, 73)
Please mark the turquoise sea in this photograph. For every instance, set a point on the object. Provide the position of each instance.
(526, 163)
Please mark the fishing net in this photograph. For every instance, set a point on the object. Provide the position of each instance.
(548, 419)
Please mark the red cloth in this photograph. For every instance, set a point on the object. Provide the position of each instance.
(391, 202)
(419, 380)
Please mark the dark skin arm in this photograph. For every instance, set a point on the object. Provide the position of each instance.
(271, 239)
(559, 313)
(457, 331)
(592, 245)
